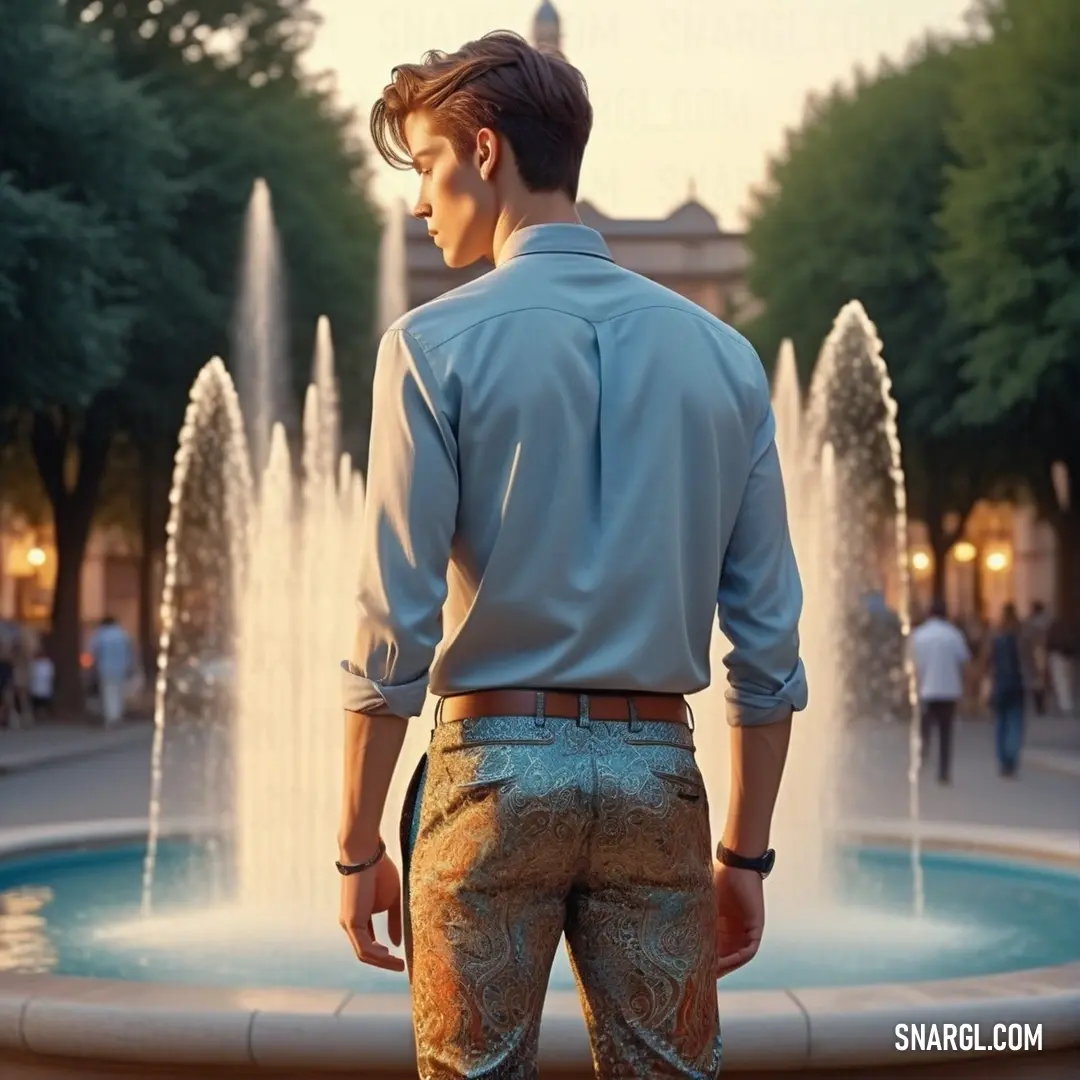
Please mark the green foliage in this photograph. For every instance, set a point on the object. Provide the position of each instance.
(1012, 218)
(226, 73)
(290, 136)
(21, 489)
(254, 40)
(86, 205)
(849, 214)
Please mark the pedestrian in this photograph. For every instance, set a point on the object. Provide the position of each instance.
(593, 459)
(42, 678)
(941, 655)
(110, 648)
(22, 657)
(1034, 635)
(976, 628)
(1062, 646)
(9, 644)
(1006, 664)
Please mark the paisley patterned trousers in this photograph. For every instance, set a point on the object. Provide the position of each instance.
(518, 829)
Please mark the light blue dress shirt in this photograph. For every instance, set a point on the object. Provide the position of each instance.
(572, 471)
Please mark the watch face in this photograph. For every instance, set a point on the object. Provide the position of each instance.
(767, 861)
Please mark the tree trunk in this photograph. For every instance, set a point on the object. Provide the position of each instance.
(1067, 533)
(72, 533)
(1065, 521)
(54, 438)
(154, 512)
(939, 545)
(941, 538)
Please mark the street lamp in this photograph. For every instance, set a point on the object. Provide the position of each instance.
(964, 551)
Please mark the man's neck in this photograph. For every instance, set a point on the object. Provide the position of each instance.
(543, 208)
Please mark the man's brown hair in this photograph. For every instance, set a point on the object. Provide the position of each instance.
(535, 100)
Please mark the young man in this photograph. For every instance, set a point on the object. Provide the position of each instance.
(591, 457)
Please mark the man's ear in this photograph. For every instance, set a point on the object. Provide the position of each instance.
(487, 152)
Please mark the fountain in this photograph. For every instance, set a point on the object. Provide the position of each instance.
(235, 888)
(259, 335)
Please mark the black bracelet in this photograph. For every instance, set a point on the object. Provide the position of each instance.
(763, 864)
(356, 868)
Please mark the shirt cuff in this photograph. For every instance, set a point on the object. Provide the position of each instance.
(749, 709)
(362, 695)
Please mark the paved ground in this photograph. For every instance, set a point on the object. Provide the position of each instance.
(48, 743)
(1046, 794)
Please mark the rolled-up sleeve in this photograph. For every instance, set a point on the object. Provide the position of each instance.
(759, 600)
(408, 529)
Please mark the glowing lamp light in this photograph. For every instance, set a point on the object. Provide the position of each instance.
(964, 552)
(36, 557)
(997, 561)
(920, 562)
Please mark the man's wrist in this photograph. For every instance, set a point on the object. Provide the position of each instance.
(747, 842)
(358, 847)
(347, 869)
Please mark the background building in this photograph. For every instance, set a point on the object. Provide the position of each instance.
(687, 251)
(547, 29)
(110, 574)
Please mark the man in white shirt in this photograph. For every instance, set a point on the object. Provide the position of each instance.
(941, 654)
(114, 662)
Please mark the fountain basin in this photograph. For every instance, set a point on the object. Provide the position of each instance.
(788, 1026)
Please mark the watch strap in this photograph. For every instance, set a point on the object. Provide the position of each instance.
(763, 864)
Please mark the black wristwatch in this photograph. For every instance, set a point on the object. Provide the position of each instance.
(763, 864)
(355, 868)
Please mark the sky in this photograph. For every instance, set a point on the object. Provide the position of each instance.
(688, 95)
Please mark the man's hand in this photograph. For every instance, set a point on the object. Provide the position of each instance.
(364, 895)
(740, 909)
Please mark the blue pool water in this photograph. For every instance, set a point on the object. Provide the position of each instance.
(76, 912)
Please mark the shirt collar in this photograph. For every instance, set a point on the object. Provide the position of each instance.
(561, 239)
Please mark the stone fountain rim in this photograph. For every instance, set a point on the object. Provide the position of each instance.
(156, 1023)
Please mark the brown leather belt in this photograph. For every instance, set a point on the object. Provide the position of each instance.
(563, 704)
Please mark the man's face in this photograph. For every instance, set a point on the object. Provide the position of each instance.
(456, 202)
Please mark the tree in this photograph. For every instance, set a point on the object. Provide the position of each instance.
(227, 73)
(86, 207)
(1011, 218)
(256, 41)
(850, 213)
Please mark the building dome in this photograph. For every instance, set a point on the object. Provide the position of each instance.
(546, 14)
(547, 28)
